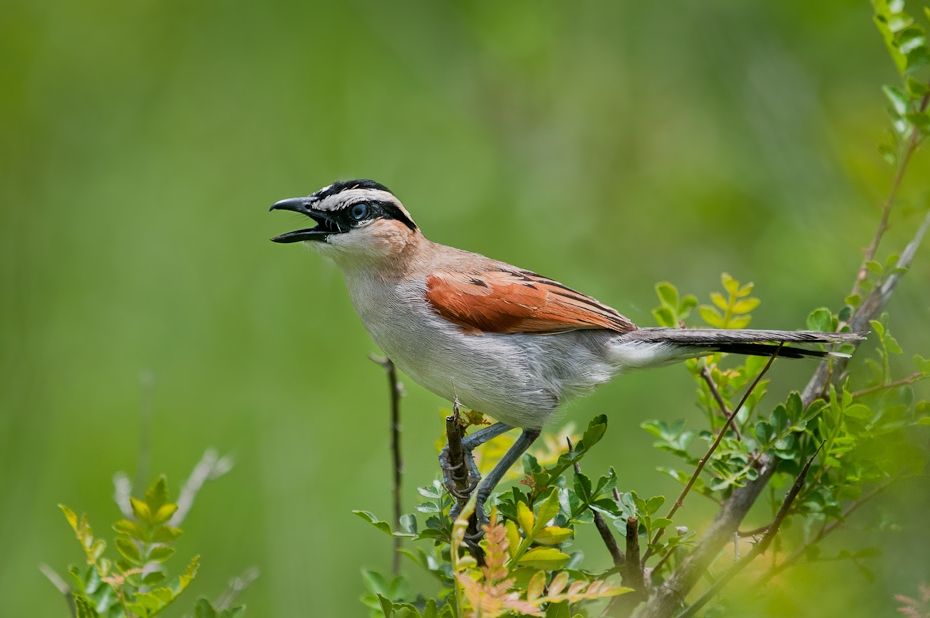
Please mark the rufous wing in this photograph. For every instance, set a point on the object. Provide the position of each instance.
(517, 301)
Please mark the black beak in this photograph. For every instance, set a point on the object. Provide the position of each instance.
(302, 205)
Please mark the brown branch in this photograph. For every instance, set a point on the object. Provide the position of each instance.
(911, 378)
(395, 389)
(713, 447)
(458, 470)
(758, 548)
(827, 530)
(705, 373)
(886, 206)
(603, 529)
(632, 576)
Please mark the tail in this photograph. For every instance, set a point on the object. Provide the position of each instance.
(695, 342)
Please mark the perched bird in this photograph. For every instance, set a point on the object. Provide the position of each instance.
(501, 340)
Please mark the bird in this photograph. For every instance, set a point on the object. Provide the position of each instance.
(496, 338)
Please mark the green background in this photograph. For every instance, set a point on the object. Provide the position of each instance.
(608, 145)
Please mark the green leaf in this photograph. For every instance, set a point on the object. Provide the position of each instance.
(729, 283)
(739, 322)
(719, 300)
(853, 300)
(919, 119)
(164, 513)
(153, 578)
(711, 316)
(553, 535)
(166, 534)
(688, 303)
(130, 529)
(654, 504)
(129, 549)
(746, 305)
(878, 328)
(916, 88)
(83, 606)
(924, 421)
(386, 606)
(661, 522)
(157, 494)
(547, 558)
(922, 364)
(204, 609)
(664, 317)
(667, 294)
(160, 554)
(383, 526)
(547, 510)
(820, 320)
(858, 411)
(141, 510)
(525, 518)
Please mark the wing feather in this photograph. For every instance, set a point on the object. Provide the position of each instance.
(501, 300)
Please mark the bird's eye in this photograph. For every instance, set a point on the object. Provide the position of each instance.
(358, 211)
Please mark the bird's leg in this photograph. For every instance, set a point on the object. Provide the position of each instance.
(468, 443)
(516, 451)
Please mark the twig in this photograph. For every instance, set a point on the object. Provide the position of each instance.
(147, 378)
(886, 206)
(759, 547)
(631, 576)
(705, 373)
(684, 492)
(236, 585)
(827, 530)
(395, 389)
(609, 540)
(59, 583)
(459, 473)
(209, 468)
(911, 378)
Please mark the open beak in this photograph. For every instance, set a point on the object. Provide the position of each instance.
(325, 225)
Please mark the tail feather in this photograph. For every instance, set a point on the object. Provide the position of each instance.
(696, 341)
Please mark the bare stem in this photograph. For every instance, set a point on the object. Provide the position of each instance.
(210, 467)
(705, 373)
(632, 576)
(760, 547)
(886, 206)
(911, 378)
(396, 392)
(713, 447)
(603, 529)
(63, 587)
(236, 585)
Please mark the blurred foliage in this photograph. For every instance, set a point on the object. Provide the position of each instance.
(609, 145)
(138, 584)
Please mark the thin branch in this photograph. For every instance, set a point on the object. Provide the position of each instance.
(827, 530)
(886, 206)
(458, 471)
(609, 540)
(122, 489)
(705, 373)
(632, 576)
(911, 378)
(396, 391)
(236, 585)
(210, 467)
(63, 587)
(759, 547)
(713, 447)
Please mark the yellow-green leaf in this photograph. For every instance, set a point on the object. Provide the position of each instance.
(70, 516)
(719, 300)
(164, 513)
(141, 510)
(729, 283)
(546, 558)
(513, 536)
(525, 518)
(547, 510)
(746, 305)
(160, 554)
(740, 322)
(129, 549)
(858, 411)
(129, 528)
(711, 316)
(552, 535)
(157, 494)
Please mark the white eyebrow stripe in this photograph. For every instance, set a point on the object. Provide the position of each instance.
(353, 196)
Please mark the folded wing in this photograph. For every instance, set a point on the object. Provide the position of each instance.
(517, 301)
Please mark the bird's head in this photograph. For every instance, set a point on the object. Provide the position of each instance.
(358, 221)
